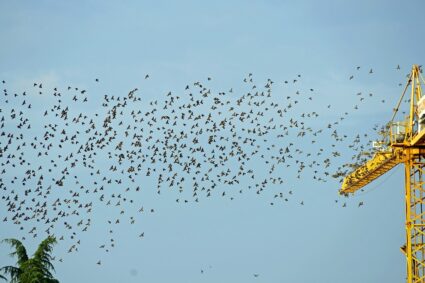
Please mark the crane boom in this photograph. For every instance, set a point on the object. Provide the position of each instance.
(381, 163)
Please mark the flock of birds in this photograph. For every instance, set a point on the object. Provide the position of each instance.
(64, 152)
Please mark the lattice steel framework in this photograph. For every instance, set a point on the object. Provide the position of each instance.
(415, 215)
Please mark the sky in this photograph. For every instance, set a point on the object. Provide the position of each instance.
(61, 43)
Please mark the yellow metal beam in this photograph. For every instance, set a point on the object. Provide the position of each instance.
(419, 139)
(414, 249)
(382, 162)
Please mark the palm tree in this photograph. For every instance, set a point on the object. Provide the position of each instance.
(36, 269)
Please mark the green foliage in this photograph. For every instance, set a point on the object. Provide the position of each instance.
(36, 269)
(20, 250)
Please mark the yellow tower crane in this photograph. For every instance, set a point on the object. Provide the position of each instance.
(403, 142)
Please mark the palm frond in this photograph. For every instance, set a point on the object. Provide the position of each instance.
(43, 257)
(45, 248)
(13, 272)
(20, 250)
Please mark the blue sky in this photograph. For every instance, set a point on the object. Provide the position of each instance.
(63, 43)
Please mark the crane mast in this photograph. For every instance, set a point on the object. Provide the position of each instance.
(402, 142)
